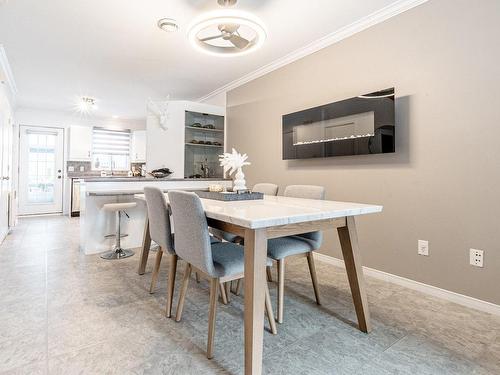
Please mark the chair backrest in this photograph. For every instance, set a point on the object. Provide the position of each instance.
(159, 218)
(307, 192)
(266, 188)
(192, 239)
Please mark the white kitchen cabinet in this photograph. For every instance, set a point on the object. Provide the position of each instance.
(80, 143)
(138, 150)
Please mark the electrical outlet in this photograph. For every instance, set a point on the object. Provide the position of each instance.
(82, 168)
(423, 247)
(476, 257)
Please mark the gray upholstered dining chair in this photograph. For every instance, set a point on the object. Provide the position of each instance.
(280, 248)
(161, 233)
(265, 188)
(219, 262)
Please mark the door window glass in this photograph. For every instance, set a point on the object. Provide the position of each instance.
(42, 165)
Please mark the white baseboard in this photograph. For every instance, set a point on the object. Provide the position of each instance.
(447, 295)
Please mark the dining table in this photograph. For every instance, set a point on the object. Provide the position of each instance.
(276, 216)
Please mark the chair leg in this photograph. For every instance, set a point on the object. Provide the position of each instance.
(238, 287)
(223, 294)
(171, 283)
(312, 271)
(197, 277)
(227, 287)
(182, 296)
(281, 288)
(214, 286)
(156, 271)
(269, 274)
(269, 311)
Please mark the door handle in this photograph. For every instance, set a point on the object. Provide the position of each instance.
(59, 177)
(6, 178)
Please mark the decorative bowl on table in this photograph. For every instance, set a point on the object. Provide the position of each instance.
(196, 125)
(161, 173)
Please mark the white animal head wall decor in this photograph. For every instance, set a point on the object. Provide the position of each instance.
(159, 108)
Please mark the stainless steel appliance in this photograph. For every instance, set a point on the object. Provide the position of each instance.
(75, 197)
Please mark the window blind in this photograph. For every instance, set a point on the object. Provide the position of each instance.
(110, 142)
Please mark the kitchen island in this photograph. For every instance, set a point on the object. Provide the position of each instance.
(95, 224)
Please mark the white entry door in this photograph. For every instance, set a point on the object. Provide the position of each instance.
(40, 170)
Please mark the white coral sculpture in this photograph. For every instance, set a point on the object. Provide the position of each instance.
(233, 162)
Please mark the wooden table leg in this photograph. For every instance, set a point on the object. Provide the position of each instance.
(146, 244)
(255, 279)
(350, 249)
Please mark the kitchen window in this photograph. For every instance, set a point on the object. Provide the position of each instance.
(110, 149)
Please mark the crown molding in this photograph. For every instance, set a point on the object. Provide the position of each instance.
(372, 19)
(7, 72)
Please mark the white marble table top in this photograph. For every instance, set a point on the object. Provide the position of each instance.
(272, 211)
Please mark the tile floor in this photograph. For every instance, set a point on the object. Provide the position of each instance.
(65, 313)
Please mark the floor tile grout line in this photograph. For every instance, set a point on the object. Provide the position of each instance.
(394, 343)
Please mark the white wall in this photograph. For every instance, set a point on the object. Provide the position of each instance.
(7, 114)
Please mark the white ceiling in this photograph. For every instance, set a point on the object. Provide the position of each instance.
(113, 51)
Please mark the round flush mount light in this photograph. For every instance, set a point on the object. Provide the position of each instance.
(168, 24)
(227, 33)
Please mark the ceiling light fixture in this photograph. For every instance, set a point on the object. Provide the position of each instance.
(85, 105)
(168, 24)
(227, 32)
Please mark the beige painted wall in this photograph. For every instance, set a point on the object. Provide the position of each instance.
(442, 185)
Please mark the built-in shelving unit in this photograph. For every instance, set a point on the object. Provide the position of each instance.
(205, 129)
(204, 145)
(201, 159)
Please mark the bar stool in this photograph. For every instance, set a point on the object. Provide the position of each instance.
(118, 252)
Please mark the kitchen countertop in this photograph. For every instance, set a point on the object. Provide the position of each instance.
(112, 193)
(127, 179)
